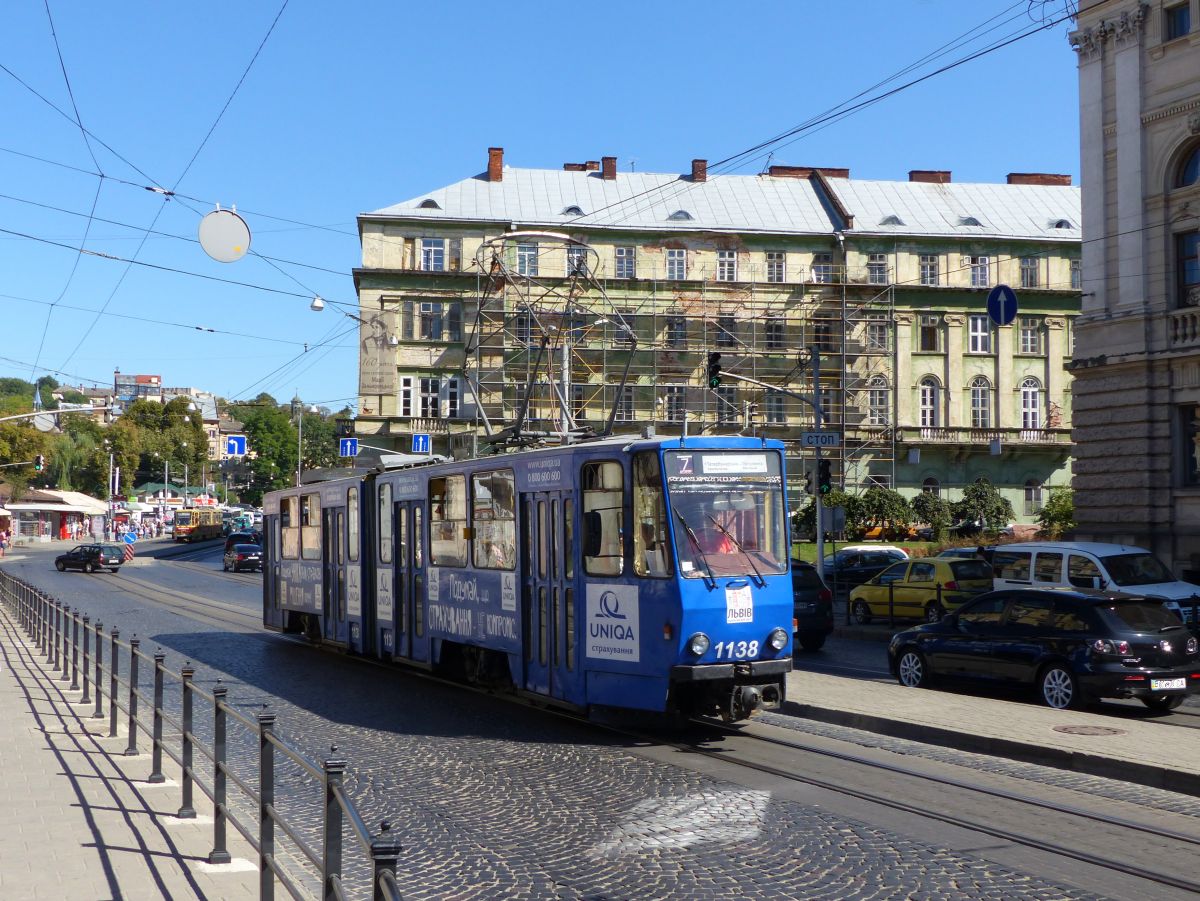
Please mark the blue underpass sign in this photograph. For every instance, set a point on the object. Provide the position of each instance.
(420, 444)
(235, 445)
(347, 447)
(1002, 304)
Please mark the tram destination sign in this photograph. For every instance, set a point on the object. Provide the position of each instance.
(820, 439)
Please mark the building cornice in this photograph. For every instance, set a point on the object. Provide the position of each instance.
(1174, 109)
(1125, 28)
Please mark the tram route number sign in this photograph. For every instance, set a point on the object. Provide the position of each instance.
(820, 439)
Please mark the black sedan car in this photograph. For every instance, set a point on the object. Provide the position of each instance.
(1074, 645)
(91, 557)
(243, 556)
(852, 566)
(812, 607)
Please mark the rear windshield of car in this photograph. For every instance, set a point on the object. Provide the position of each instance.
(968, 570)
(1141, 616)
(1136, 569)
(805, 577)
(247, 548)
(113, 549)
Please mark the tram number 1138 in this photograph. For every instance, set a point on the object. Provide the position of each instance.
(736, 650)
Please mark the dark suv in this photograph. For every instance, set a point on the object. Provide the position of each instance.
(1072, 644)
(812, 607)
(91, 557)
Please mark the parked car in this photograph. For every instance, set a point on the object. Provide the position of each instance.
(1072, 644)
(235, 538)
(922, 589)
(969, 553)
(812, 607)
(853, 565)
(243, 556)
(91, 557)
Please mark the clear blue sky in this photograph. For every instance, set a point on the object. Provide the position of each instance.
(352, 107)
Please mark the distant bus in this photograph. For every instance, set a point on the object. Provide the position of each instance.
(197, 524)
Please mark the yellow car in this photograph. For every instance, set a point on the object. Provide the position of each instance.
(913, 587)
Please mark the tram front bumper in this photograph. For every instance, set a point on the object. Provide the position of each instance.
(710, 672)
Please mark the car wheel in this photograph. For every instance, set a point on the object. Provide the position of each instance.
(911, 669)
(934, 612)
(1163, 702)
(811, 641)
(60, 566)
(861, 613)
(114, 569)
(87, 568)
(1059, 688)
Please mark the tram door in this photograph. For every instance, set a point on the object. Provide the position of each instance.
(333, 545)
(412, 641)
(546, 616)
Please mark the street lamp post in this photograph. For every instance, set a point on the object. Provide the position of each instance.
(183, 444)
(300, 437)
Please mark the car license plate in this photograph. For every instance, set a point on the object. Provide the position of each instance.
(1167, 684)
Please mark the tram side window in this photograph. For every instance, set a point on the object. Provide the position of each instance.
(650, 557)
(385, 523)
(493, 519)
(289, 522)
(310, 527)
(448, 521)
(352, 523)
(603, 535)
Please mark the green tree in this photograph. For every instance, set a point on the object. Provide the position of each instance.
(1058, 516)
(884, 508)
(935, 510)
(982, 502)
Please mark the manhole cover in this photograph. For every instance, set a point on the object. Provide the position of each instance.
(1089, 730)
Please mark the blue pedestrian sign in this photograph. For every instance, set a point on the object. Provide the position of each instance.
(347, 447)
(235, 445)
(1002, 304)
(420, 444)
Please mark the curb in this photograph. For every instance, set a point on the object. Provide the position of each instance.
(1074, 761)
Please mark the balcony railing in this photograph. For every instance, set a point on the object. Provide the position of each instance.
(1184, 327)
(959, 435)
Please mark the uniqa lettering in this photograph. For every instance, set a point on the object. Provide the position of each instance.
(614, 631)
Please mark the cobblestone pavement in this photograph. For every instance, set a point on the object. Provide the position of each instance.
(1093, 786)
(493, 801)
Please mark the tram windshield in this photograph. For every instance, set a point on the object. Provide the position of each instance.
(727, 512)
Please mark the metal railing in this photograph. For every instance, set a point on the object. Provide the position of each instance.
(57, 629)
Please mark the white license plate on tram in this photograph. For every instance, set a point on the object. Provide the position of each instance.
(1167, 684)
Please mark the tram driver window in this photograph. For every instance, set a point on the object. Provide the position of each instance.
(493, 519)
(448, 521)
(310, 527)
(650, 556)
(603, 525)
(289, 523)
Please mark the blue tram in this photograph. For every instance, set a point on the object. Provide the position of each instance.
(638, 573)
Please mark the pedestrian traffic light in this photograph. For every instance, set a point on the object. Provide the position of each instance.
(824, 478)
(808, 485)
(38, 462)
(714, 370)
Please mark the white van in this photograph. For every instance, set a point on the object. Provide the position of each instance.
(1085, 564)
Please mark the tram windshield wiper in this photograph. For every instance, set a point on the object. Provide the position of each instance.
(709, 578)
(759, 580)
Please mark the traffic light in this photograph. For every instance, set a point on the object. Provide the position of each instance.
(808, 485)
(714, 370)
(824, 478)
(38, 462)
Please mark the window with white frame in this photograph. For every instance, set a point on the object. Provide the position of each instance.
(929, 402)
(429, 397)
(452, 397)
(776, 266)
(774, 330)
(674, 402)
(577, 261)
(1031, 335)
(406, 397)
(431, 321)
(981, 403)
(822, 267)
(433, 254)
(527, 259)
(878, 401)
(579, 402)
(979, 334)
(727, 266)
(877, 334)
(930, 274)
(980, 277)
(929, 333)
(1031, 404)
(1076, 275)
(676, 330)
(1033, 497)
(877, 268)
(775, 411)
(676, 264)
(625, 404)
(727, 403)
(1029, 272)
(626, 259)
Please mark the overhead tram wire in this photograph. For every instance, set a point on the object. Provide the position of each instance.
(294, 359)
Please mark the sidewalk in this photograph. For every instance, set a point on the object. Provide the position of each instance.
(78, 819)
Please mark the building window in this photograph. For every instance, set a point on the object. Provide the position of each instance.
(523, 327)
(822, 269)
(775, 411)
(1189, 422)
(929, 333)
(1033, 497)
(727, 265)
(878, 403)
(675, 402)
(931, 486)
(626, 262)
(726, 330)
(776, 266)
(452, 397)
(527, 259)
(1187, 255)
(979, 272)
(877, 268)
(431, 321)
(406, 397)
(1178, 21)
(677, 265)
(773, 332)
(433, 254)
(1031, 336)
(1029, 272)
(930, 402)
(929, 269)
(727, 403)
(1189, 171)
(824, 337)
(980, 334)
(676, 330)
(578, 402)
(1076, 275)
(1031, 404)
(624, 328)
(625, 404)
(877, 334)
(981, 403)
(577, 261)
(430, 393)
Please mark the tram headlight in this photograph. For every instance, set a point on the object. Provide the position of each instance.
(698, 644)
(778, 639)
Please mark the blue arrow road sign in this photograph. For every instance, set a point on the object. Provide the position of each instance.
(1002, 304)
(420, 444)
(347, 447)
(129, 538)
(235, 445)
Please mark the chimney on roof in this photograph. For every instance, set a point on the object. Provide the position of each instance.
(609, 172)
(1038, 178)
(699, 170)
(592, 166)
(574, 167)
(933, 176)
(806, 171)
(495, 164)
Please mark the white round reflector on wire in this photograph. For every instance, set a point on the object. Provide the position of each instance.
(224, 236)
